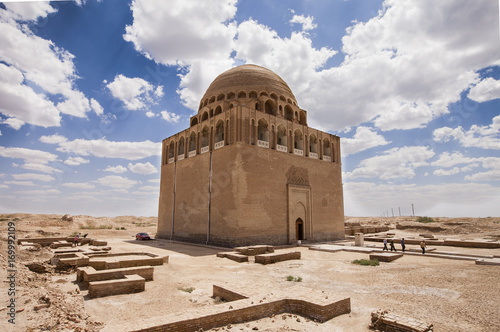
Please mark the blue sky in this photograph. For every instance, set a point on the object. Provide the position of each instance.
(89, 89)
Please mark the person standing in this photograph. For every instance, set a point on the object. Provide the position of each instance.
(392, 246)
(423, 246)
(403, 246)
(385, 245)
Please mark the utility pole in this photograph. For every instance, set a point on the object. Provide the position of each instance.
(399, 211)
(412, 209)
(392, 210)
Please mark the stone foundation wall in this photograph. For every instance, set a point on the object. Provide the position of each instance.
(129, 284)
(254, 312)
(276, 257)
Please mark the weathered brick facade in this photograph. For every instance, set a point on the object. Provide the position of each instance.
(249, 170)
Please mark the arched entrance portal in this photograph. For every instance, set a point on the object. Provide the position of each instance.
(299, 229)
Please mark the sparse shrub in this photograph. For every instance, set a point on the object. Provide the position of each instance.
(186, 289)
(291, 278)
(3, 219)
(370, 262)
(425, 219)
(117, 228)
(123, 228)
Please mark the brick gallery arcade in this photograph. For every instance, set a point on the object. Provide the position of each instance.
(249, 170)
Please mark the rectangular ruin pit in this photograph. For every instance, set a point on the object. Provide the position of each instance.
(89, 274)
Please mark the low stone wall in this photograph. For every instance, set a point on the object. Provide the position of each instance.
(233, 256)
(276, 257)
(255, 250)
(388, 322)
(129, 284)
(149, 260)
(226, 294)
(249, 312)
(385, 257)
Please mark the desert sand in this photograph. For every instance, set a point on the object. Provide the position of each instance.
(454, 295)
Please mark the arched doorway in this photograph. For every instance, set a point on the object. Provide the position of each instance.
(299, 229)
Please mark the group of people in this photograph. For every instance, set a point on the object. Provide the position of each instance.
(403, 245)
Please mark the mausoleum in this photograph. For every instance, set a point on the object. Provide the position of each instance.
(249, 170)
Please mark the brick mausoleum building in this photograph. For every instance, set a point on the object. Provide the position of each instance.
(249, 170)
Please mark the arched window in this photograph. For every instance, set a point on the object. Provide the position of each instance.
(270, 107)
(204, 137)
(263, 94)
(252, 94)
(326, 150)
(274, 96)
(192, 142)
(206, 102)
(204, 117)
(256, 106)
(298, 140)
(211, 112)
(220, 97)
(219, 131)
(230, 95)
(288, 113)
(212, 99)
(313, 144)
(263, 131)
(201, 105)
(242, 94)
(194, 121)
(281, 139)
(302, 118)
(282, 98)
(218, 110)
(180, 148)
(171, 149)
(289, 100)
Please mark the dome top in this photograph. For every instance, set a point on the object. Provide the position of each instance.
(248, 78)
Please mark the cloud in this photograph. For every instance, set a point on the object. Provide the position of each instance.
(150, 114)
(96, 106)
(201, 44)
(364, 139)
(14, 123)
(41, 168)
(150, 188)
(135, 93)
(307, 22)
(29, 155)
(32, 68)
(142, 168)
(492, 175)
(106, 149)
(447, 159)
(484, 137)
(75, 161)
(20, 183)
(170, 117)
(19, 101)
(116, 169)
(39, 193)
(81, 185)
(487, 89)
(53, 139)
(33, 176)
(444, 172)
(115, 181)
(394, 163)
(154, 181)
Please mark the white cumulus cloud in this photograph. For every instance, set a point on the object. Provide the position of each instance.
(116, 169)
(364, 138)
(170, 117)
(116, 181)
(142, 168)
(487, 89)
(135, 93)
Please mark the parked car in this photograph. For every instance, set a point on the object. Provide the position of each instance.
(142, 236)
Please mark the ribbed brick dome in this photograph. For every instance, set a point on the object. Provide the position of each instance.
(248, 78)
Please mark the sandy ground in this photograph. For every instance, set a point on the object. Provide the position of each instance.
(453, 295)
